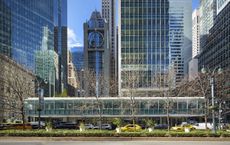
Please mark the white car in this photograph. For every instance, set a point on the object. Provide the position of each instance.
(202, 126)
(104, 126)
(89, 126)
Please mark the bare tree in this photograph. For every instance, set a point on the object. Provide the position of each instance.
(97, 85)
(130, 82)
(200, 86)
(17, 86)
(222, 93)
(165, 81)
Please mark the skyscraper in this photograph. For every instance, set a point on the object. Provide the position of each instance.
(216, 52)
(109, 14)
(195, 33)
(23, 23)
(207, 14)
(5, 29)
(60, 41)
(193, 64)
(153, 35)
(72, 77)
(180, 36)
(96, 56)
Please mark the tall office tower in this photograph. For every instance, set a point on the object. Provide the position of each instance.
(207, 14)
(216, 52)
(221, 4)
(5, 29)
(153, 35)
(23, 23)
(72, 77)
(60, 41)
(180, 37)
(193, 64)
(96, 56)
(109, 13)
(195, 33)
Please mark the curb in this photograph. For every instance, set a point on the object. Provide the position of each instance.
(115, 138)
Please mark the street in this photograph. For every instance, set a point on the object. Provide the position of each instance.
(7, 142)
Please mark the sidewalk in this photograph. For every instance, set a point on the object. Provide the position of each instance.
(114, 139)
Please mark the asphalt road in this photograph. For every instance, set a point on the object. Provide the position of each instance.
(114, 142)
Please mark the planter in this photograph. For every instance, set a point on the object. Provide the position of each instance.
(186, 130)
(150, 129)
(48, 129)
(82, 129)
(118, 130)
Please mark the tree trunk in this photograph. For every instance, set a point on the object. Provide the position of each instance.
(100, 116)
(206, 114)
(23, 117)
(168, 118)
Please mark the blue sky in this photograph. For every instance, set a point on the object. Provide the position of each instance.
(78, 12)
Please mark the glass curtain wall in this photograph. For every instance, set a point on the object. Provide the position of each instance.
(144, 42)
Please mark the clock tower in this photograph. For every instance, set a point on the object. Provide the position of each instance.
(96, 57)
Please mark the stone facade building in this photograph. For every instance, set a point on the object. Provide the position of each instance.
(17, 84)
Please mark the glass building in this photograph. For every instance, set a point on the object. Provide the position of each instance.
(207, 15)
(154, 36)
(60, 41)
(5, 29)
(216, 52)
(180, 36)
(71, 109)
(22, 29)
(78, 57)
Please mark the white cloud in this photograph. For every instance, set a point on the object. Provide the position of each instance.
(73, 41)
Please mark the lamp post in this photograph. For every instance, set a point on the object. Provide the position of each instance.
(212, 81)
(82, 81)
(40, 93)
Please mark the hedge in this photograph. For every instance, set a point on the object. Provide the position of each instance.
(98, 133)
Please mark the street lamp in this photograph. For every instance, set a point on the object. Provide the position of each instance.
(219, 71)
(82, 81)
(220, 112)
(40, 94)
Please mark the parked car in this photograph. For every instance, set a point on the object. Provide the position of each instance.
(202, 126)
(35, 125)
(104, 126)
(4, 126)
(131, 128)
(66, 125)
(89, 126)
(19, 126)
(182, 127)
(161, 126)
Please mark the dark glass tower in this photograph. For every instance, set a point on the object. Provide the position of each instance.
(23, 22)
(5, 29)
(60, 41)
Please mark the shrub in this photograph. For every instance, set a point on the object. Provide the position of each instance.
(117, 122)
(106, 133)
(150, 123)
